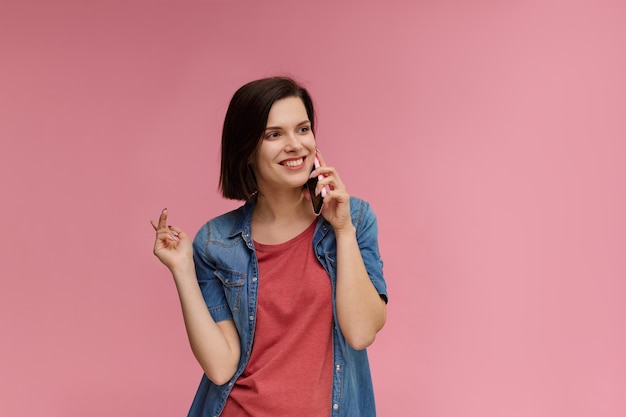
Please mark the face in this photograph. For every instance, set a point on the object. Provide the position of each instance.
(287, 150)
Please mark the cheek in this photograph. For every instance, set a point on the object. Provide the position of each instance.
(263, 159)
(262, 153)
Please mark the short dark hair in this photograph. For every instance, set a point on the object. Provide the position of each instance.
(244, 125)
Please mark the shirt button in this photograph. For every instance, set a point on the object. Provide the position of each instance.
(254, 279)
(335, 406)
(338, 367)
(251, 317)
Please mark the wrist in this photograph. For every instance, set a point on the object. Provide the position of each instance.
(348, 231)
(184, 270)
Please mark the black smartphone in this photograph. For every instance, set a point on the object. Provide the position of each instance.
(316, 200)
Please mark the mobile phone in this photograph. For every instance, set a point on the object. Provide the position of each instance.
(316, 200)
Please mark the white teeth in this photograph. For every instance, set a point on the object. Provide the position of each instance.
(294, 163)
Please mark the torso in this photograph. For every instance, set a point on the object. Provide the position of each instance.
(291, 367)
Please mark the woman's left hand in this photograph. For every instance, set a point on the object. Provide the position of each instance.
(336, 208)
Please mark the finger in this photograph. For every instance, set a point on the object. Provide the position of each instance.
(154, 225)
(333, 180)
(329, 181)
(320, 157)
(176, 229)
(176, 232)
(166, 235)
(163, 219)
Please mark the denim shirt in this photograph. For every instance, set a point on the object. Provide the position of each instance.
(227, 271)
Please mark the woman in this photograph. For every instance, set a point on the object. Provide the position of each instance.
(279, 304)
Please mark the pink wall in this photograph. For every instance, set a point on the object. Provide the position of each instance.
(490, 138)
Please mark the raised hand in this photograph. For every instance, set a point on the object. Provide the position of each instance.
(172, 245)
(337, 200)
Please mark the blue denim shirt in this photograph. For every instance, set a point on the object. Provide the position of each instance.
(227, 270)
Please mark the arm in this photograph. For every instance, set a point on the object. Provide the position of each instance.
(361, 311)
(215, 345)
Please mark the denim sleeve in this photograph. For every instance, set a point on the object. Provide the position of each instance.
(367, 238)
(210, 286)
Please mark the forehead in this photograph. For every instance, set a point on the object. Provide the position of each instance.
(287, 111)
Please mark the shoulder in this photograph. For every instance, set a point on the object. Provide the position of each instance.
(361, 211)
(222, 226)
(227, 219)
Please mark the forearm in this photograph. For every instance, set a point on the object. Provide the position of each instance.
(215, 345)
(360, 310)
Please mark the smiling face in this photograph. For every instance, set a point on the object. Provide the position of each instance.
(286, 152)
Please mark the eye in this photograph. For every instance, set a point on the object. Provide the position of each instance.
(272, 135)
(304, 129)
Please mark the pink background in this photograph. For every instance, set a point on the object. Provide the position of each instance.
(490, 137)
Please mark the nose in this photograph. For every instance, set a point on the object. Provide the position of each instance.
(292, 143)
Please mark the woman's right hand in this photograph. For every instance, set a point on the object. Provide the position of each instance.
(172, 245)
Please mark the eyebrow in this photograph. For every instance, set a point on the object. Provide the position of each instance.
(305, 122)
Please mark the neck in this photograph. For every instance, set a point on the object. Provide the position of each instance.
(282, 208)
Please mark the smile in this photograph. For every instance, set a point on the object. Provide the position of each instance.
(293, 162)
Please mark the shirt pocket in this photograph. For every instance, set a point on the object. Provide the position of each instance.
(233, 283)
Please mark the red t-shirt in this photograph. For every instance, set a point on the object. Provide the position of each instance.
(291, 365)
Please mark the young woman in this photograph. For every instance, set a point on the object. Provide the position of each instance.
(279, 304)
